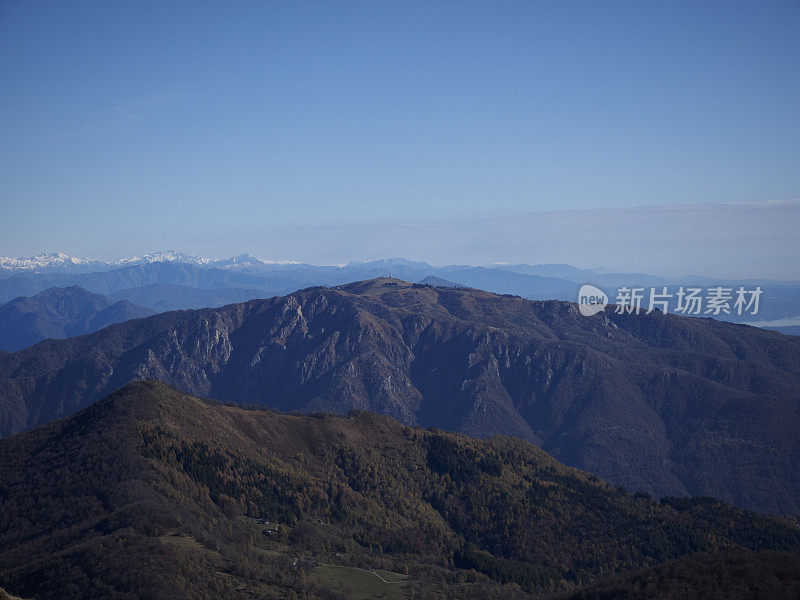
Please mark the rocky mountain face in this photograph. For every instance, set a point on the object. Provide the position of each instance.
(154, 494)
(657, 403)
(61, 313)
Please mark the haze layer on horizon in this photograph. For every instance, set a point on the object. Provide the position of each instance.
(735, 240)
(754, 240)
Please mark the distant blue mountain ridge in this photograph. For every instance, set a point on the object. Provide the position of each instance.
(181, 281)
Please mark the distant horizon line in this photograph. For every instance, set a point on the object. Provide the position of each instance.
(179, 258)
(731, 240)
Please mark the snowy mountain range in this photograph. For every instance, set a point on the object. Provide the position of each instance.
(57, 262)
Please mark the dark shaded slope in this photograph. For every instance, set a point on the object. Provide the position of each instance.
(155, 494)
(658, 403)
(731, 574)
(60, 313)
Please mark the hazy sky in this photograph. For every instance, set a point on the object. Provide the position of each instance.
(225, 126)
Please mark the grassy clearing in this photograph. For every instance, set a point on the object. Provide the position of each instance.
(359, 584)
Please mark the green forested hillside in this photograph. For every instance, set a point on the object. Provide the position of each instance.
(155, 494)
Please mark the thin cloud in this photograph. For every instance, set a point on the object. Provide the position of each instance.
(732, 240)
(133, 112)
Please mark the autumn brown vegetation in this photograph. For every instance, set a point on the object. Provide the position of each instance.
(155, 494)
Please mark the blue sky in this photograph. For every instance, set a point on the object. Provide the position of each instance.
(133, 126)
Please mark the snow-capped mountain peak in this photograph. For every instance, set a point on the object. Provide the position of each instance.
(45, 261)
(242, 260)
(53, 262)
(163, 256)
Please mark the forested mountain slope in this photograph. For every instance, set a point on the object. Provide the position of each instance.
(151, 493)
(658, 403)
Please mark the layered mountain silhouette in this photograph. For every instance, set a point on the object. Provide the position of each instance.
(151, 493)
(244, 277)
(135, 276)
(61, 313)
(272, 279)
(657, 403)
